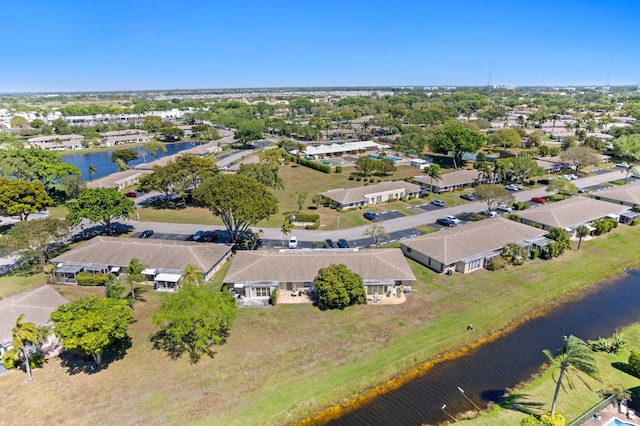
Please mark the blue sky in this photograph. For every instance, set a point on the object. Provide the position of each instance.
(140, 44)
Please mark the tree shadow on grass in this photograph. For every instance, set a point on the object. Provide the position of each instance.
(175, 349)
(622, 366)
(519, 402)
(76, 363)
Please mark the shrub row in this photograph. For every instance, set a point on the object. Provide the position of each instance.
(308, 163)
(93, 280)
(315, 225)
(521, 205)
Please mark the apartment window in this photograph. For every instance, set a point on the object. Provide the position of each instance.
(474, 265)
(262, 292)
(408, 249)
(375, 289)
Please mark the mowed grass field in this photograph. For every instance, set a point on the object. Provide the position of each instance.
(285, 363)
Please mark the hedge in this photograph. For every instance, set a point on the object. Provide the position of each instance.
(307, 217)
(338, 169)
(315, 225)
(308, 163)
(93, 280)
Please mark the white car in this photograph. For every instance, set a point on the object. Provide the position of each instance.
(514, 187)
(622, 165)
(293, 242)
(454, 219)
(489, 213)
(504, 208)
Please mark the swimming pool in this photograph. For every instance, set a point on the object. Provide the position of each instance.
(386, 156)
(616, 422)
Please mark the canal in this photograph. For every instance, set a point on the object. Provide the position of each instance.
(102, 160)
(486, 372)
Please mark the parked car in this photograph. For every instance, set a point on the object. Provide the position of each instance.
(504, 208)
(208, 237)
(445, 221)
(438, 203)
(544, 181)
(342, 243)
(293, 242)
(488, 212)
(512, 187)
(372, 216)
(132, 194)
(454, 219)
(195, 236)
(569, 177)
(623, 165)
(146, 234)
(329, 243)
(468, 197)
(539, 200)
(582, 190)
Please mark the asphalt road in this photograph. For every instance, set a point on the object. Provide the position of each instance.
(396, 225)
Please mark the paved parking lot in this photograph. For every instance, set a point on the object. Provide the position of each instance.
(427, 208)
(393, 214)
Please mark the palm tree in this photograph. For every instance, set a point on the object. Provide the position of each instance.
(582, 231)
(134, 274)
(629, 169)
(24, 333)
(574, 358)
(192, 275)
(484, 169)
(434, 172)
(92, 171)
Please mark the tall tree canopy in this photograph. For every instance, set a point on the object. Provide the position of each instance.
(22, 198)
(456, 139)
(33, 238)
(194, 321)
(126, 155)
(35, 164)
(494, 195)
(339, 287)
(628, 147)
(249, 131)
(90, 325)
(580, 156)
(506, 138)
(100, 205)
(238, 200)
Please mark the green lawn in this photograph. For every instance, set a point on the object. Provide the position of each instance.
(285, 363)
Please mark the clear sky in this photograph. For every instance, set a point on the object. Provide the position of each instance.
(93, 45)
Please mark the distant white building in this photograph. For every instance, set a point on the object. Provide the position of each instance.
(124, 136)
(57, 142)
(319, 150)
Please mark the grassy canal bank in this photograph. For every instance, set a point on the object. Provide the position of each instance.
(286, 364)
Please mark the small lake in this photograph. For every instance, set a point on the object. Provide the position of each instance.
(486, 372)
(102, 160)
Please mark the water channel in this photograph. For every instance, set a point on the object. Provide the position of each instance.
(102, 160)
(486, 372)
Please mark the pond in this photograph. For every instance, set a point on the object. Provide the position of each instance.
(486, 372)
(102, 160)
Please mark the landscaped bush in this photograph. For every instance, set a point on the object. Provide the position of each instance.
(392, 200)
(338, 169)
(274, 297)
(634, 363)
(352, 177)
(531, 182)
(514, 217)
(93, 280)
(315, 225)
(604, 226)
(358, 179)
(404, 199)
(307, 217)
(496, 264)
(521, 205)
(308, 163)
(635, 222)
(535, 253)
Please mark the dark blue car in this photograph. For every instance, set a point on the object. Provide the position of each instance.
(372, 216)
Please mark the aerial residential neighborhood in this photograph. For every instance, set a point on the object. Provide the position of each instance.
(320, 213)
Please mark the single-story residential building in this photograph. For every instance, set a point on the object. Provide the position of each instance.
(36, 305)
(626, 195)
(470, 247)
(454, 180)
(57, 142)
(317, 150)
(254, 274)
(570, 213)
(372, 194)
(119, 180)
(119, 137)
(164, 260)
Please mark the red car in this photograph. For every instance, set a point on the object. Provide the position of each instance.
(132, 194)
(539, 200)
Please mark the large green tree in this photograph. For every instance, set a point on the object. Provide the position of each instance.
(580, 156)
(456, 139)
(154, 148)
(494, 195)
(575, 358)
(521, 168)
(73, 185)
(194, 321)
(238, 200)
(100, 205)
(562, 187)
(22, 198)
(339, 287)
(627, 147)
(262, 173)
(249, 131)
(366, 165)
(90, 325)
(35, 164)
(412, 139)
(126, 155)
(506, 138)
(33, 239)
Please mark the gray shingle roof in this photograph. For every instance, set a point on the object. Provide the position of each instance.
(362, 193)
(37, 306)
(570, 212)
(297, 266)
(629, 193)
(153, 253)
(451, 245)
